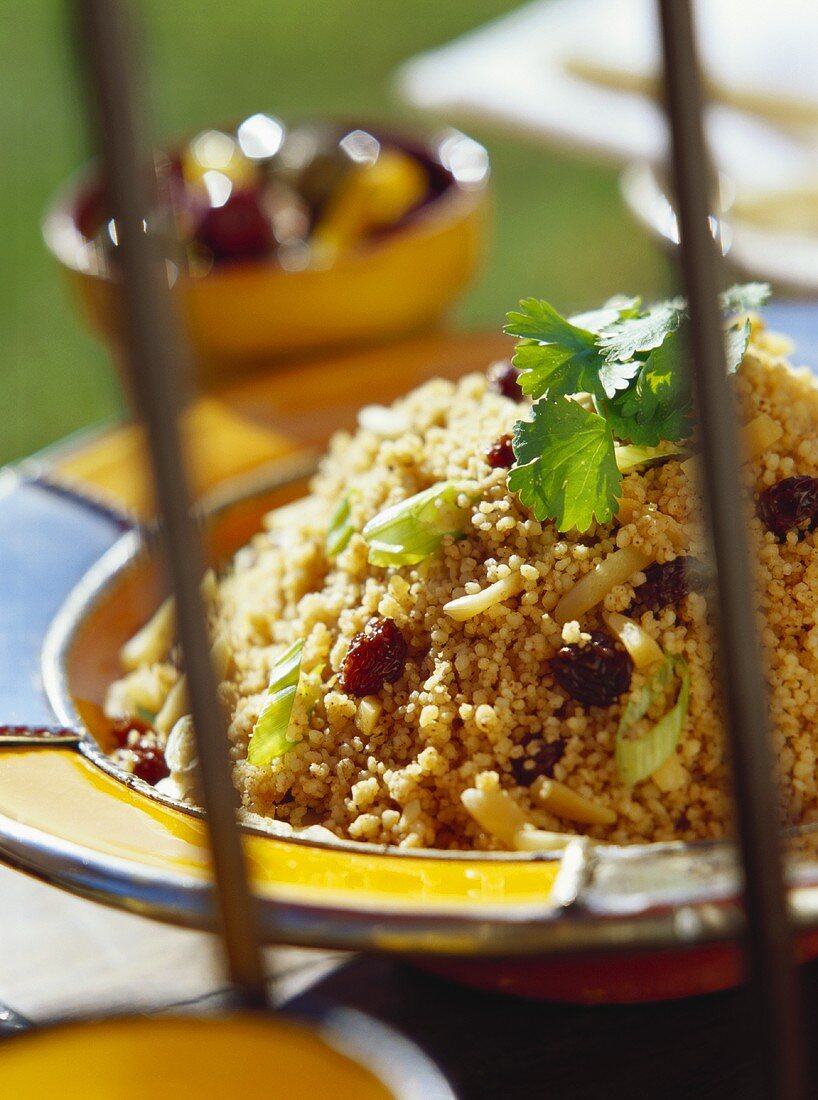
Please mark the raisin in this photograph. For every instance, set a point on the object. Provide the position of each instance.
(669, 582)
(119, 729)
(375, 656)
(500, 454)
(503, 378)
(539, 758)
(788, 504)
(595, 674)
(150, 762)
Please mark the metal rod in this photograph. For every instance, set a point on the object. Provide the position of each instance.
(154, 360)
(770, 955)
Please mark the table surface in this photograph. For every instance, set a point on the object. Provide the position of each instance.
(62, 954)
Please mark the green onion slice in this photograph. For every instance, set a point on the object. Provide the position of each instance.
(269, 737)
(638, 758)
(341, 527)
(413, 529)
(628, 456)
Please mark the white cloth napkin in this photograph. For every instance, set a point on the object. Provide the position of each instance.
(757, 55)
(582, 73)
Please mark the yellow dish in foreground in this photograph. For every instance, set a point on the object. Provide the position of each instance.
(209, 1058)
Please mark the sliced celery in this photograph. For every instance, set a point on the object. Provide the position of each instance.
(638, 758)
(413, 529)
(340, 528)
(269, 737)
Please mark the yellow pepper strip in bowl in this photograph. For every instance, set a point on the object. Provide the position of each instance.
(371, 196)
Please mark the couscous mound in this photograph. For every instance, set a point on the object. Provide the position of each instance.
(491, 710)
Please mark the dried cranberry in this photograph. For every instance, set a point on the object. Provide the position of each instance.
(503, 379)
(594, 674)
(669, 582)
(375, 656)
(500, 454)
(788, 504)
(150, 762)
(119, 729)
(239, 230)
(539, 758)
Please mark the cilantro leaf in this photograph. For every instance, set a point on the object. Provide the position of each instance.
(537, 320)
(736, 339)
(566, 468)
(659, 405)
(554, 370)
(629, 335)
(615, 309)
(745, 297)
(615, 375)
(555, 356)
(558, 357)
(633, 361)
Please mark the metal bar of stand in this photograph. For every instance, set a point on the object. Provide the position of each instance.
(155, 361)
(769, 942)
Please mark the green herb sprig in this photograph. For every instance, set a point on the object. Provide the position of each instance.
(632, 361)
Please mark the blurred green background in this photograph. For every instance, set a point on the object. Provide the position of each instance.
(560, 228)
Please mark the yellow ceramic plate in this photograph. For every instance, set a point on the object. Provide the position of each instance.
(68, 814)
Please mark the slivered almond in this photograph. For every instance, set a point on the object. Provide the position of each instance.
(617, 568)
(369, 711)
(176, 703)
(676, 533)
(466, 607)
(627, 510)
(530, 839)
(642, 648)
(758, 435)
(153, 641)
(496, 812)
(221, 656)
(671, 775)
(174, 707)
(563, 802)
(691, 468)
